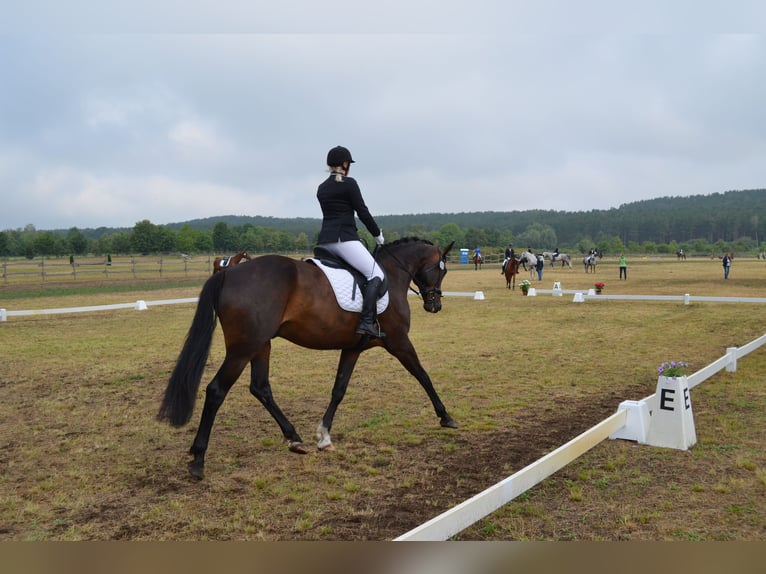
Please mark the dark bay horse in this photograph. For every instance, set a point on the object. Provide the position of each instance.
(511, 270)
(276, 296)
(478, 259)
(221, 263)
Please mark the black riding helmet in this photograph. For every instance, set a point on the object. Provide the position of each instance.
(338, 155)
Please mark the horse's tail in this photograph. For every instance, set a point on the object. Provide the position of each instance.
(181, 392)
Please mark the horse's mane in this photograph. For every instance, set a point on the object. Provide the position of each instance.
(412, 239)
(402, 241)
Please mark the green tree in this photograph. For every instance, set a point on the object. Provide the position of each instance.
(78, 243)
(146, 237)
(121, 242)
(45, 243)
(186, 239)
(451, 232)
(538, 236)
(224, 238)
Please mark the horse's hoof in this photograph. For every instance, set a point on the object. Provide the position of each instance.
(197, 471)
(298, 447)
(448, 422)
(327, 448)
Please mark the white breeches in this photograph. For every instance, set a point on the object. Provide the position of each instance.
(355, 254)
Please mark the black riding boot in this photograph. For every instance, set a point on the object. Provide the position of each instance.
(369, 305)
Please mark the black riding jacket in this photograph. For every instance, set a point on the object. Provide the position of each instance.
(339, 200)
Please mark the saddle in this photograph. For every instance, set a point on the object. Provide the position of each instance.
(346, 282)
(224, 262)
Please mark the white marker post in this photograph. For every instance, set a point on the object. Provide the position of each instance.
(672, 422)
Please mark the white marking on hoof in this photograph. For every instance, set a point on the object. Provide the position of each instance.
(323, 438)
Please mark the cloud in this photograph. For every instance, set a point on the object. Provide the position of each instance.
(110, 129)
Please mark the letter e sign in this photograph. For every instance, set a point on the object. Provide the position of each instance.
(667, 399)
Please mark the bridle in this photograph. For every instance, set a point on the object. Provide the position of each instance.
(429, 294)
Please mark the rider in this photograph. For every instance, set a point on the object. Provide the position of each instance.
(339, 197)
(509, 254)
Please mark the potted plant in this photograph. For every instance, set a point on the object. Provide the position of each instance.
(524, 286)
(672, 369)
(599, 287)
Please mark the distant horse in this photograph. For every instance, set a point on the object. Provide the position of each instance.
(478, 259)
(681, 255)
(556, 257)
(590, 262)
(529, 261)
(277, 296)
(221, 263)
(511, 270)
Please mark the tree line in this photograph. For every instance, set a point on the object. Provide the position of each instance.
(732, 221)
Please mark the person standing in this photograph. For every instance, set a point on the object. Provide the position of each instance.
(726, 265)
(623, 267)
(540, 266)
(340, 197)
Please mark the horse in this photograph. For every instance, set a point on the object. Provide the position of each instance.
(681, 255)
(277, 296)
(478, 259)
(529, 261)
(554, 257)
(590, 262)
(511, 270)
(221, 263)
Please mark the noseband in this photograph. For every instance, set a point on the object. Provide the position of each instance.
(429, 294)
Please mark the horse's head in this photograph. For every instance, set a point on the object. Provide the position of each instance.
(429, 277)
(426, 265)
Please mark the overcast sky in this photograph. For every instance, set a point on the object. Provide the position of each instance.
(116, 112)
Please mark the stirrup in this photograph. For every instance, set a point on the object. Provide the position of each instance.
(369, 329)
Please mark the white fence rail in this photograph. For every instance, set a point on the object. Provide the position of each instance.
(462, 516)
(589, 295)
(141, 305)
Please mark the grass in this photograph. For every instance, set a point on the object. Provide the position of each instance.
(84, 459)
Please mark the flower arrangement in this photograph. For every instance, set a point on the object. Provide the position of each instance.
(672, 369)
(599, 287)
(525, 285)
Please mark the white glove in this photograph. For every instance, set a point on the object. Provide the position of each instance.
(379, 238)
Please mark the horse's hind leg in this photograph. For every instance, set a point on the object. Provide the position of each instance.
(215, 393)
(346, 364)
(261, 390)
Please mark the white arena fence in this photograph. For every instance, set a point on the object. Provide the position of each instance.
(579, 296)
(465, 514)
(590, 295)
(142, 305)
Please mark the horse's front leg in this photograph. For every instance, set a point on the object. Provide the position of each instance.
(405, 352)
(346, 364)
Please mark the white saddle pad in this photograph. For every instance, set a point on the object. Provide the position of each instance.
(347, 292)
